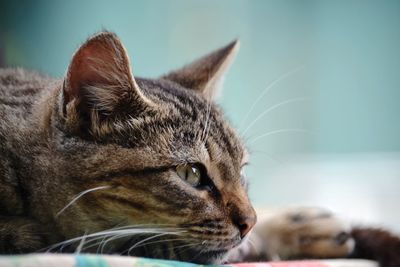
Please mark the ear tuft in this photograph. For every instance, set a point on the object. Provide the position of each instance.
(205, 75)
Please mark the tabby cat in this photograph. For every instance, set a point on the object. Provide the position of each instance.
(101, 161)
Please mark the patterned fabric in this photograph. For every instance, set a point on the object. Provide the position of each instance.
(74, 260)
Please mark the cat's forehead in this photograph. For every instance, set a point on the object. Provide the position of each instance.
(161, 89)
(186, 122)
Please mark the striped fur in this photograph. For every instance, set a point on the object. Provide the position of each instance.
(88, 163)
(118, 139)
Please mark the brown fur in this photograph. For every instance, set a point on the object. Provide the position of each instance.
(376, 244)
(94, 155)
(101, 127)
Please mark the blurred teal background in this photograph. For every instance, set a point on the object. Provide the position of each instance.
(331, 114)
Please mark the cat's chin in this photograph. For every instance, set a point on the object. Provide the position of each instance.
(215, 256)
(208, 257)
(204, 256)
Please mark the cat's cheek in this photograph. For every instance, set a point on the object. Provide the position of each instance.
(204, 194)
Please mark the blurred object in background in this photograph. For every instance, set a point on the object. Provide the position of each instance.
(314, 78)
(364, 189)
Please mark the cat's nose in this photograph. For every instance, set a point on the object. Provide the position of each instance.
(245, 224)
(242, 214)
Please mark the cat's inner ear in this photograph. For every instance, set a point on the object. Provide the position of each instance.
(205, 75)
(99, 83)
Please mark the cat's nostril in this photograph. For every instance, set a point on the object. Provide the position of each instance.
(244, 229)
(245, 225)
(341, 238)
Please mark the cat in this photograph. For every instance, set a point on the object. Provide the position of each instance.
(153, 152)
(101, 161)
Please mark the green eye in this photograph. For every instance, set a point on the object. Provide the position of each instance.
(189, 173)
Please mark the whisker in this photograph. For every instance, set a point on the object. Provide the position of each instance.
(270, 86)
(81, 194)
(139, 226)
(298, 99)
(206, 124)
(141, 245)
(252, 141)
(103, 244)
(101, 234)
(143, 226)
(150, 238)
(162, 241)
(81, 243)
(88, 244)
(187, 246)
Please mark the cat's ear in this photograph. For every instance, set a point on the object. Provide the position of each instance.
(205, 75)
(99, 85)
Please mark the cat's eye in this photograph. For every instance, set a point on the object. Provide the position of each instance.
(189, 173)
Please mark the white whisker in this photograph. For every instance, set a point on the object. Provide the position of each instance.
(273, 108)
(206, 124)
(103, 243)
(161, 241)
(79, 196)
(265, 91)
(122, 232)
(279, 131)
(81, 243)
(150, 238)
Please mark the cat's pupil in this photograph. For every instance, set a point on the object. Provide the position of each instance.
(189, 173)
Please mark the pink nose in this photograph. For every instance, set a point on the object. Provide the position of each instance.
(245, 224)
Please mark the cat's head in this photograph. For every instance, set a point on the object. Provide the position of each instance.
(153, 154)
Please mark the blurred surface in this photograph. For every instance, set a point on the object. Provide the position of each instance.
(314, 78)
